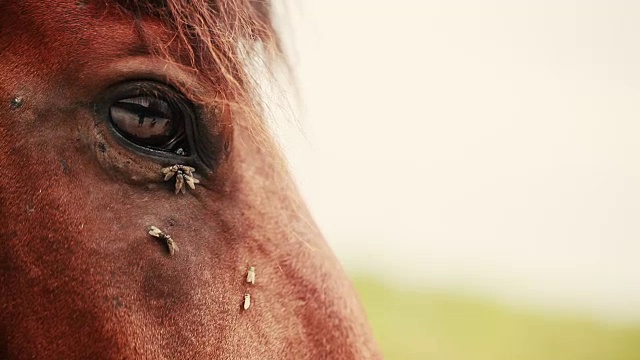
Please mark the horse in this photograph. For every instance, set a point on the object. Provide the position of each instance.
(146, 211)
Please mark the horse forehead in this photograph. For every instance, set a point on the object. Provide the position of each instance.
(70, 32)
(64, 19)
(56, 51)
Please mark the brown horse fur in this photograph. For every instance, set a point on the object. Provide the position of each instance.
(80, 276)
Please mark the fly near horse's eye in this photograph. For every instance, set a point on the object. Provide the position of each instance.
(150, 122)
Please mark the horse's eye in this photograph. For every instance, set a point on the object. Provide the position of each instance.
(149, 122)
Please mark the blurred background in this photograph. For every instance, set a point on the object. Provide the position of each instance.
(475, 166)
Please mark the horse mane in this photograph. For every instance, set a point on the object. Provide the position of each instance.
(216, 40)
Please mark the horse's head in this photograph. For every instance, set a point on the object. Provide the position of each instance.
(100, 103)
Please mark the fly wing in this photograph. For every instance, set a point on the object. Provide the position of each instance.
(169, 169)
(251, 276)
(155, 232)
(172, 246)
(190, 181)
(188, 169)
(179, 183)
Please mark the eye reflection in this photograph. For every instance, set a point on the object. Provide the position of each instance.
(148, 121)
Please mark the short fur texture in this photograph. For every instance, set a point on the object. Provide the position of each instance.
(81, 278)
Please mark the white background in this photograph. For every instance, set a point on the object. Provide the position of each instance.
(488, 145)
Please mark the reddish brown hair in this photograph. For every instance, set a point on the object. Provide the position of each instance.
(215, 39)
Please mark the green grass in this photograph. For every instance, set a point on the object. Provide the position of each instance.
(434, 325)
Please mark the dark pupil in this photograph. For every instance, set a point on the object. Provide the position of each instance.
(147, 121)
